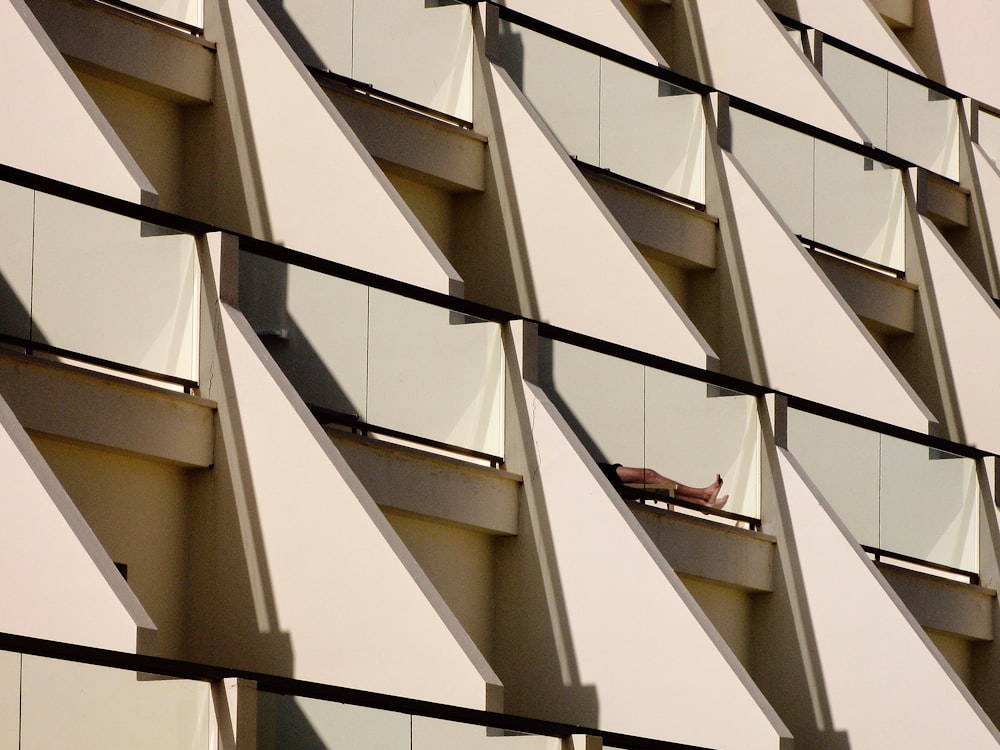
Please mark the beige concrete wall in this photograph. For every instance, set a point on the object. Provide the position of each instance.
(281, 164)
(138, 509)
(52, 126)
(74, 593)
(570, 263)
(593, 626)
(774, 286)
(852, 665)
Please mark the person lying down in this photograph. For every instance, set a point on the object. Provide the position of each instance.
(708, 496)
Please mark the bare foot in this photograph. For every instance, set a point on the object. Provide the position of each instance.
(708, 496)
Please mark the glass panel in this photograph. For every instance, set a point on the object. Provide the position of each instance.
(989, 134)
(863, 90)
(67, 705)
(437, 734)
(320, 31)
(780, 162)
(929, 504)
(185, 11)
(870, 194)
(843, 462)
(418, 50)
(16, 226)
(694, 431)
(923, 126)
(601, 397)
(316, 328)
(562, 83)
(115, 288)
(435, 373)
(10, 697)
(287, 722)
(652, 132)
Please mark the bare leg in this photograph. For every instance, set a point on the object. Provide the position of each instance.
(702, 495)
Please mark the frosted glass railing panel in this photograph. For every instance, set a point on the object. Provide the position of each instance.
(930, 504)
(418, 50)
(74, 706)
(16, 229)
(923, 126)
(695, 431)
(843, 462)
(435, 373)
(287, 722)
(437, 734)
(859, 206)
(190, 12)
(899, 115)
(600, 396)
(780, 162)
(563, 85)
(316, 328)
(989, 134)
(652, 132)
(320, 31)
(863, 90)
(115, 288)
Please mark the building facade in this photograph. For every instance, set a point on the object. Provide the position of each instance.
(322, 322)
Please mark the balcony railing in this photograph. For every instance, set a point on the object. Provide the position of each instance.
(416, 50)
(899, 498)
(901, 112)
(188, 15)
(618, 114)
(834, 198)
(380, 361)
(96, 286)
(638, 414)
(987, 126)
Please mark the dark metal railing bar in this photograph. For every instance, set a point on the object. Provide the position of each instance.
(639, 496)
(33, 346)
(880, 553)
(856, 260)
(644, 187)
(150, 15)
(156, 665)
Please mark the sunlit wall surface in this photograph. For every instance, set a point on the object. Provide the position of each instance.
(189, 12)
(51, 703)
(899, 115)
(611, 116)
(391, 361)
(824, 193)
(893, 495)
(418, 50)
(294, 723)
(636, 415)
(94, 283)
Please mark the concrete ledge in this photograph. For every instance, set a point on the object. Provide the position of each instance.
(431, 485)
(125, 48)
(945, 203)
(887, 302)
(679, 234)
(415, 145)
(78, 404)
(711, 551)
(961, 609)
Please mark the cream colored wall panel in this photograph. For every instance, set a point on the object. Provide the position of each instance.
(297, 175)
(786, 300)
(51, 126)
(576, 266)
(10, 696)
(955, 43)
(853, 21)
(871, 654)
(326, 570)
(74, 593)
(967, 328)
(582, 574)
(745, 52)
(603, 21)
(70, 705)
(17, 208)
